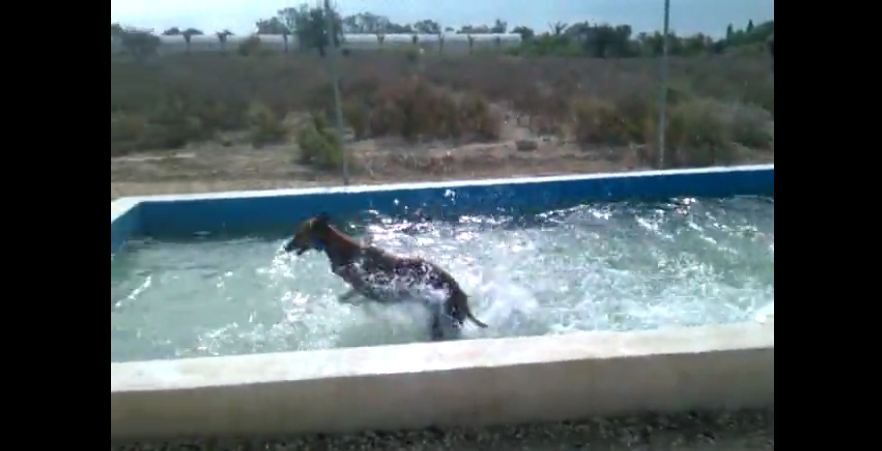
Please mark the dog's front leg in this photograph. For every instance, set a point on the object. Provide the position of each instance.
(437, 333)
(436, 326)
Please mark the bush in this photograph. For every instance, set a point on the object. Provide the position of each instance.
(356, 116)
(139, 44)
(264, 126)
(318, 146)
(697, 134)
(636, 110)
(597, 121)
(761, 94)
(250, 46)
(478, 118)
(386, 119)
(162, 136)
(171, 124)
(321, 100)
(126, 127)
(414, 109)
(218, 115)
(750, 127)
(412, 56)
(126, 132)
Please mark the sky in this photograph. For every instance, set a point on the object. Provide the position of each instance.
(239, 16)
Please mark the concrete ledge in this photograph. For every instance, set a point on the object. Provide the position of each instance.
(469, 382)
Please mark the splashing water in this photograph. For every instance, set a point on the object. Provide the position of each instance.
(614, 266)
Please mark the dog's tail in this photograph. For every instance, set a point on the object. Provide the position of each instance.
(475, 320)
(470, 316)
(461, 301)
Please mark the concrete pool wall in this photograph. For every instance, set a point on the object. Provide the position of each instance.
(472, 382)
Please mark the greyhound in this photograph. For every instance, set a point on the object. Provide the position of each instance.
(383, 277)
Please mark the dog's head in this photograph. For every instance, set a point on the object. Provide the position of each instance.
(310, 234)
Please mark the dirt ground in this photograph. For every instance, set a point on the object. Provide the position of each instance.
(231, 163)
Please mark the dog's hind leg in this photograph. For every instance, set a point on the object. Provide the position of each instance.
(443, 324)
(437, 332)
(437, 322)
(345, 297)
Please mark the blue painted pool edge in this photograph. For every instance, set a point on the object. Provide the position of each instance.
(125, 221)
(241, 210)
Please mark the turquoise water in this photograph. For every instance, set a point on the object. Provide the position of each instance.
(614, 266)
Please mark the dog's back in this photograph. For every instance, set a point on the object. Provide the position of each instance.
(382, 276)
(407, 273)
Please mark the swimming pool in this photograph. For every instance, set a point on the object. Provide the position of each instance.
(595, 266)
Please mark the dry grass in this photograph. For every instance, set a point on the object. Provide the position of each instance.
(171, 101)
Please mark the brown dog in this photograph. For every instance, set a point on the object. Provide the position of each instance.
(383, 277)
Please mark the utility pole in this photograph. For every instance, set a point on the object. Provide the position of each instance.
(663, 97)
(332, 64)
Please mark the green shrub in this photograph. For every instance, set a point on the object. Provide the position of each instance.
(697, 134)
(750, 127)
(318, 146)
(635, 111)
(264, 126)
(386, 119)
(127, 127)
(414, 109)
(250, 46)
(126, 132)
(218, 115)
(356, 116)
(598, 121)
(479, 119)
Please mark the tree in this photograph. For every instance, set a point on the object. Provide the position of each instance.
(427, 27)
(365, 23)
(272, 26)
(188, 34)
(499, 27)
(697, 44)
(729, 32)
(222, 37)
(558, 28)
(621, 45)
(173, 31)
(139, 44)
(580, 31)
(395, 28)
(116, 29)
(319, 36)
(470, 29)
(293, 18)
(750, 25)
(310, 26)
(651, 44)
(600, 40)
(525, 32)
(449, 29)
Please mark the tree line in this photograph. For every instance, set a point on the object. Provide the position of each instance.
(599, 40)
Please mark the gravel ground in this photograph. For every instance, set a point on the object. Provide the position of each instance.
(747, 430)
